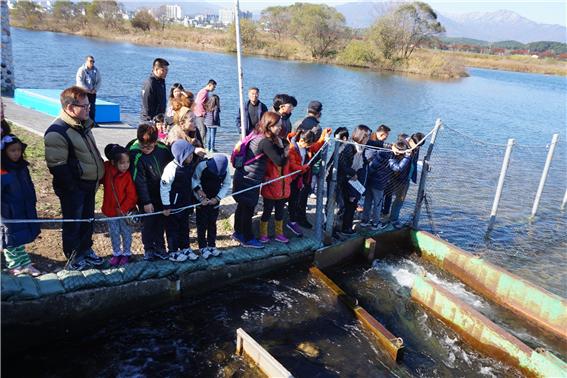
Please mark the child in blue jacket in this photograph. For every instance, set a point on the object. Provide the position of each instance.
(18, 202)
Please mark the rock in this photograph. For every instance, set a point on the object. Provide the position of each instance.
(308, 349)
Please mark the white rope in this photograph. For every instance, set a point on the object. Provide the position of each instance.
(479, 141)
(172, 211)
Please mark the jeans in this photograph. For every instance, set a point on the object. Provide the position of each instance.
(200, 124)
(400, 193)
(243, 220)
(177, 227)
(77, 204)
(297, 206)
(207, 225)
(372, 205)
(211, 141)
(119, 229)
(92, 101)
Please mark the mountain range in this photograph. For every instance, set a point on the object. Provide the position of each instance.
(489, 26)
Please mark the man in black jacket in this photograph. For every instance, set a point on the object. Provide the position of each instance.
(253, 110)
(154, 99)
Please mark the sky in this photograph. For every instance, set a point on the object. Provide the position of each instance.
(547, 12)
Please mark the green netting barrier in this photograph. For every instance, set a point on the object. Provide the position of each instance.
(49, 284)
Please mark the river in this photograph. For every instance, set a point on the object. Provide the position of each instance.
(480, 113)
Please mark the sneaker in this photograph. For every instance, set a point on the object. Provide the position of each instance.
(215, 252)
(178, 256)
(348, 232)
(124, 260)
(305, 224)
(397, 225)
(149, 256)
(192, 255)
(27, 269)
(365, 224)
(115, 260)
(238, 237)
(264, 239)
(294, 227)
(281, 238)
(313, 196)
(205, 252)
(92, 258)
(79, 265)
(253, 243)
(161, 254)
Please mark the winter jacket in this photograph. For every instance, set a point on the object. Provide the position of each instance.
(71, 153)
(212, 177)
(88, 79)
(261, 109)
(146, 172)
(18, 202)
(379, 172)
(295, 155)
(212, 119)
(154, 99)
(279, 189)
(400, 167)
(309, 123)
(119, 191)
(175, 185)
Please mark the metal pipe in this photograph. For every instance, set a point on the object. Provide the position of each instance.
(500, 185)
(331, 193)
(320, 186)
(239, 68)
(425, 169)
(544, 174)
(564, 201)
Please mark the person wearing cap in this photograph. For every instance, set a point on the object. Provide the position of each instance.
(175, 192)
(88, 77)
(211, 183)
(400, 165)
(311, 121)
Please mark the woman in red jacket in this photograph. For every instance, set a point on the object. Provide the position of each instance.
(303, 147)
(119, 198)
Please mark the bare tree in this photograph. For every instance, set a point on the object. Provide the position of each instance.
(277, 20)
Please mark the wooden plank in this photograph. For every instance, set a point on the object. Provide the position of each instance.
(265, 361)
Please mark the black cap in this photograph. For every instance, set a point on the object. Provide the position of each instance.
(315, 107)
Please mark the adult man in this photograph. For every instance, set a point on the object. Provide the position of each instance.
(311, 121)
(199, 109)
(76, 165)
(154, 99)
(253, 110)
(88, 78)
(284, 104)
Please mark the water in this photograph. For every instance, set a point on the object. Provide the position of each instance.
(489, 106)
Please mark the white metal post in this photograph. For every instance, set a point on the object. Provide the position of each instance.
(239, 67)
(500, 185)
(564, 201)
(544, 174)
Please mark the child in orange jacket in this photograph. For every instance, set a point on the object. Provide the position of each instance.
(119, 198)
(303, 147)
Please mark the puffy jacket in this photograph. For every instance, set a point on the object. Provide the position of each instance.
(154, 99)
(124, 191)
(71, 153)
(147, 170)
(18, 202)
(295, 155)
(279, 189)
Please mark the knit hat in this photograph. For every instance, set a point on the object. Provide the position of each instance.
(218, 164)
(181, 149)
(315, 107)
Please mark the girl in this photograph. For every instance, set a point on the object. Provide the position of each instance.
(159, 121)
(186, 129)
(212, 121)
(175, 93)
(18, 202)
(119, 198)
(351, 161)
(258, 151)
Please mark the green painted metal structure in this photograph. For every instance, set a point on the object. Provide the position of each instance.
(542, 308)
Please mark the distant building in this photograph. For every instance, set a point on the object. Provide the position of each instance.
(173, 12)
(226, 16)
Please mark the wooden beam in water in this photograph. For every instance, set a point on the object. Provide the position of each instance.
(265, 361)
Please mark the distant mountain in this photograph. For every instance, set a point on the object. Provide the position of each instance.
(489, 26)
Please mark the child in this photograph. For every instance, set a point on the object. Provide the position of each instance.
(175, 191)
(212, 121)
(211, 183)
(18, 202)
(303, 146)
(159, 121)
(149, 158)
(119, 198)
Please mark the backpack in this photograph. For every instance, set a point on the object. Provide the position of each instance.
(238, 155)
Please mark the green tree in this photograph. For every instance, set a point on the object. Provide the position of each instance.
(144, 20)
(398, 33)
(277, 20)
(108, 11)
(319, 27)
(64, 10)
(27, 12)
(248, 35)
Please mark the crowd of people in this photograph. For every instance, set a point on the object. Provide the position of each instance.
(168, 171)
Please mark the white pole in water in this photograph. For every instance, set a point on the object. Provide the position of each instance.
(239, 65)
(544, 173)
(500, 185)
(564, 201)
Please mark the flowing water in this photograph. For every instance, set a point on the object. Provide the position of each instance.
(480, 113)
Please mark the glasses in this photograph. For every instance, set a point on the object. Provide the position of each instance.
(91, 61)
(83, 105)
(148, 146)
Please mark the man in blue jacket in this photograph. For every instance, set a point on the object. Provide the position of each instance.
(154, 98)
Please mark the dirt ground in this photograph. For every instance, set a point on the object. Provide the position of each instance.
(46, 251)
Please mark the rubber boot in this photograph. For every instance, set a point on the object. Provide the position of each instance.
(264, 232)
(280, 236)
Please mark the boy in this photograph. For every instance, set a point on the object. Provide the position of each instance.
(211, 183)
(175, 190)
(148, 159)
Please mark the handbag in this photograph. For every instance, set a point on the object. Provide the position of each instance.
(132, 219)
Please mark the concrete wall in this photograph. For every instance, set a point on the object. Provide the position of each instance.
(7, 61)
